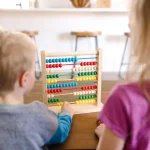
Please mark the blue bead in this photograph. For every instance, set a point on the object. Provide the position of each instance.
(56, 60)
(72, 84)
(66, 59)
(69, 59)
(54, 85)
(63, 85)
(72, 59)
(50, 60)
(53, 60)
(47, 86)
(76, 84)
(75, 59)
(51, 86)
(57, 85)
(47, 61)
(63, 59)
(69, 84)
(66, 85)
(60, 85)
(60, 60)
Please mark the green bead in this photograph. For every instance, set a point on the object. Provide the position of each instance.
(50, 76)
(87, 96)
(58, 99)
(95, 72)
(83, 97)
(92, 73)
(85, 73)
(80, 97)
(57, 75)
(79, 74)
(49, 100)
(54, 76)
(89, 73)
(47, 76)
(82, 73)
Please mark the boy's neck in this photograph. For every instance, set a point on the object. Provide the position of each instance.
(12, 98)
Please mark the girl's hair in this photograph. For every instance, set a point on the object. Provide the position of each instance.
(140, 42)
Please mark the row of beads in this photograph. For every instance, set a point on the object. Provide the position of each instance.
(61, 60)
(55, 91)
(49, 81)
(87, 96)
(87, 68)
(86, 78)
(54, 65)
(72, 84)
(84, 92)
(79, 102)
(90, 87)
(87, 73)
(52, 76)
(88, 63)
(53, 100)
(86, 101)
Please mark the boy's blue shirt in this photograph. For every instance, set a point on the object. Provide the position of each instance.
(31, 126)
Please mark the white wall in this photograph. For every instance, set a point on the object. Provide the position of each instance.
(55, 27)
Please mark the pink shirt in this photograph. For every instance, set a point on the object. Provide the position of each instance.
(126, 114)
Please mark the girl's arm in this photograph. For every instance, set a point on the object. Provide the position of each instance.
(110, 141)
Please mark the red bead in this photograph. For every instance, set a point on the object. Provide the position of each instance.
(57, 65)
(60, 65)
(91, 87)
(84, 63)
(84, 88)
(57, 90)
(53, 66)
(60, 90)
(95, 87)
(88, 87)
(81, 64)
(47, 91)
(50, 65)
(47, 66)
(88, 63)
(91, 63)
(50, 91)
(94, 63)
(54, 91)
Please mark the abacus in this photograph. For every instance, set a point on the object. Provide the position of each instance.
(83, 91)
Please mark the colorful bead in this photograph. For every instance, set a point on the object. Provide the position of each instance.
(63, 59)
(66, 59)
(47, 61)
(60, 60)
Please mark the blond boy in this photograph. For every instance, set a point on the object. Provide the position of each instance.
(25, 126)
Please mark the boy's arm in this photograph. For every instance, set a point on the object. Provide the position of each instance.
(110, 141)
(64, 125)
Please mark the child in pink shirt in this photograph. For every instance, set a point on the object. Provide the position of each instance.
(126, 113)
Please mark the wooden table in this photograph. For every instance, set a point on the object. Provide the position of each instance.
(82, 136)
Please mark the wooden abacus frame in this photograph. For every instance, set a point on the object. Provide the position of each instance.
(78, 108)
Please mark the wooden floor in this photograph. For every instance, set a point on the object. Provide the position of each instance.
(36, 93)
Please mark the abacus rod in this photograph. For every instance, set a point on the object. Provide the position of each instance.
(60, 54)
(63, 94)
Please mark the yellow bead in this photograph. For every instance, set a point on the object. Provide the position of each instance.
(58, 104)
(89, 101)
(77, 102)
(84, 78)
(90, 78)
(61, 103)
(77, 79)
(86, 101)
(95, 78)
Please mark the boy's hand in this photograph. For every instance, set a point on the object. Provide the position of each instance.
(66, 106)
(99, 130)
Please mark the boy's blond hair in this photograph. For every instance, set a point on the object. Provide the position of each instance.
(140, 37)
(17, 55)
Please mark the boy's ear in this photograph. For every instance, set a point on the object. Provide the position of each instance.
(23, 79)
